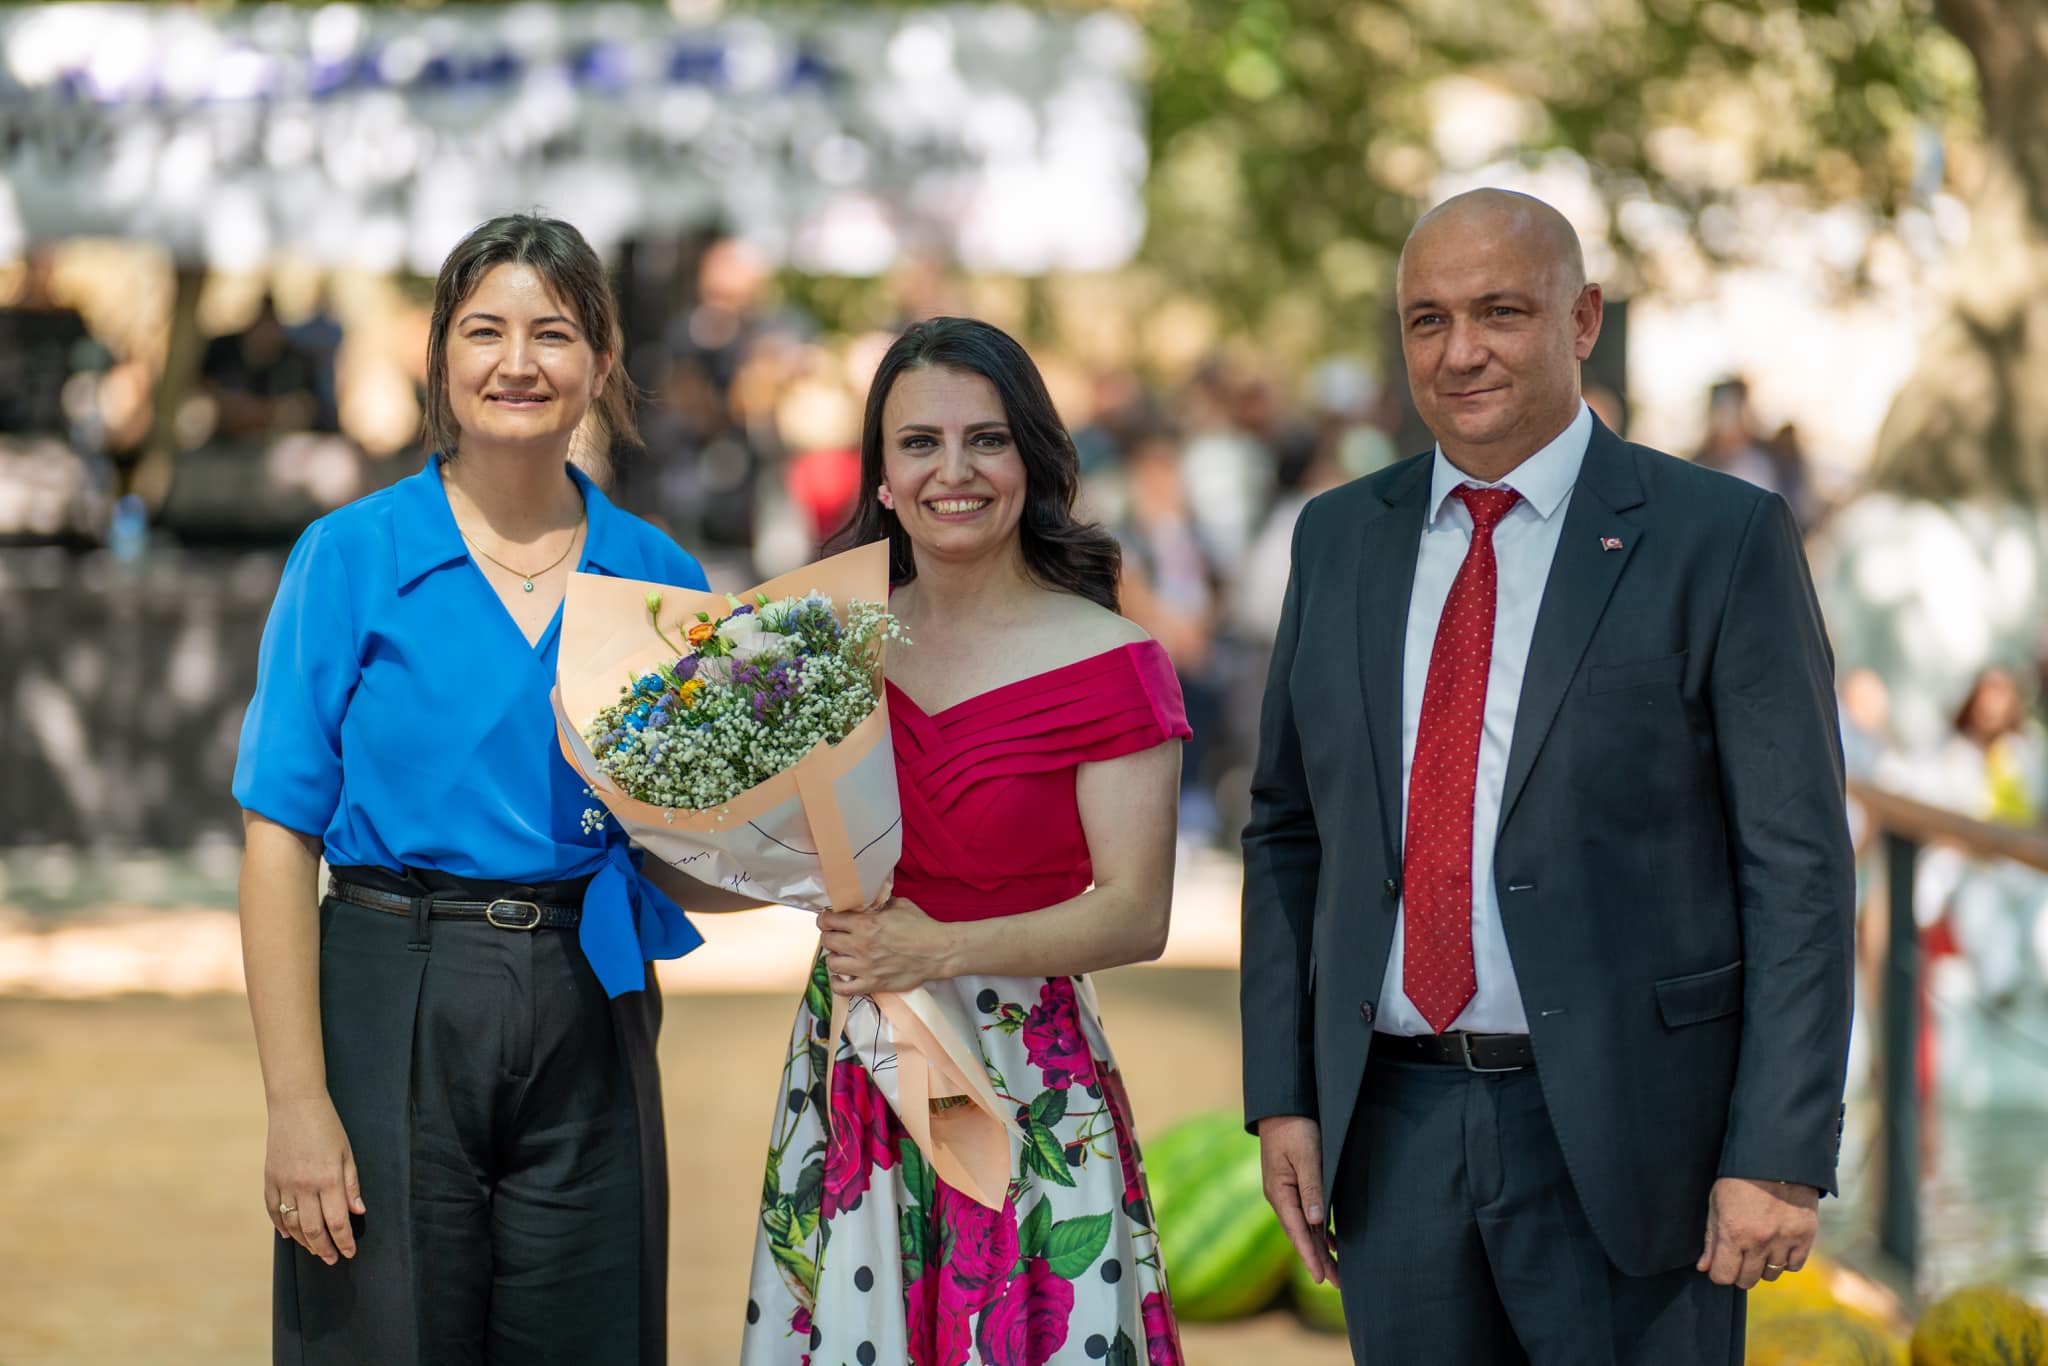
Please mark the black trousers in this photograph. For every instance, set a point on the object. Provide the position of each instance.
(1462, 1242)
(506, 1123)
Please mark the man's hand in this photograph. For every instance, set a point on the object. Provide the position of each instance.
(1291, 1154)
(1757, 1229)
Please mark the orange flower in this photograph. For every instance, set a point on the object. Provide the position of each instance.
(702, 632)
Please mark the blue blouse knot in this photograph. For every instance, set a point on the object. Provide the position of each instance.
(628, 920)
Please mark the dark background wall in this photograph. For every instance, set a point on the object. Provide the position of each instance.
(122, 688)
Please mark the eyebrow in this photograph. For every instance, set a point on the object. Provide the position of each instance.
(929, 430)
(1515, 296)
(494, 318)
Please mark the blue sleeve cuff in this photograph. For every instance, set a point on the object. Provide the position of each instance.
(627, 920)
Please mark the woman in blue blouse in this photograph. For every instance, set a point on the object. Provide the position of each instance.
(465, 1146)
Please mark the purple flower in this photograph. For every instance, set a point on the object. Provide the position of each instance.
(686, 668)
(742, 611)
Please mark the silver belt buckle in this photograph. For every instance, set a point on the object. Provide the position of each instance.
(1465, 1042)
(531, 922)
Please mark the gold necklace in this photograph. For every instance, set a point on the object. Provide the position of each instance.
(528, 579)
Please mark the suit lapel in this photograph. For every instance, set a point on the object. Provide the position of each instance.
(1389, 544)
(1582, 577)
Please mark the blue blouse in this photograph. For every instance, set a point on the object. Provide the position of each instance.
(401, 716)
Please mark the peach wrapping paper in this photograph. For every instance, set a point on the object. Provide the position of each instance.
(826, 832)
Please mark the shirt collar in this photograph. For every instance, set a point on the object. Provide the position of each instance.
(425, 538)
(1543, 479)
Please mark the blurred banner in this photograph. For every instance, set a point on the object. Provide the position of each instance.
(374, 137)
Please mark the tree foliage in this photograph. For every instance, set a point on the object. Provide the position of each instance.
(1295, 140)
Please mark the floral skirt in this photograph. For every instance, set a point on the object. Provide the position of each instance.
(865, 1256)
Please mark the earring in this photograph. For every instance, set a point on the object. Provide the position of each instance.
(886, 498)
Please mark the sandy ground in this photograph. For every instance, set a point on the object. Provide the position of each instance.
(131, 1146)
(131, 1127)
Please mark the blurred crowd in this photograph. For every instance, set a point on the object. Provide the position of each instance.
(1983, 922)
(751, 424)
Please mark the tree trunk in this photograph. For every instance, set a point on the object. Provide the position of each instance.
(1972, 418)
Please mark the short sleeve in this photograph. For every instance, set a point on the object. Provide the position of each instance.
(1153, 676)
(1089, 712)
(288, 767)
(671, 563)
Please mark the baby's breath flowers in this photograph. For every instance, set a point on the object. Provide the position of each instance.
(748, 695)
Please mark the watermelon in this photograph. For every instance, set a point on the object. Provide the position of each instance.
(1321, 1307)
(1187, 1146)
(1827, 1337)
(1224, 1250)
(1981, 1325)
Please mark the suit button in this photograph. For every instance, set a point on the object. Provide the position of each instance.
(1392, 887)
(1366, 1012)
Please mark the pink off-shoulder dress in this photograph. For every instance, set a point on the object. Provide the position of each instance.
(863, 1255)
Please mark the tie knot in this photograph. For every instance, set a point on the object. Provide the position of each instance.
(1488, 506)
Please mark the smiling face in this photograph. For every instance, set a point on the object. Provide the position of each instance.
(521, 371)
(1495, 318)
(951, 464)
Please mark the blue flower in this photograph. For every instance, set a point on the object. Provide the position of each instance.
(650, 685)
(659, 718)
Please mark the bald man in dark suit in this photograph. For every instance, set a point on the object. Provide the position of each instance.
(1547, 907)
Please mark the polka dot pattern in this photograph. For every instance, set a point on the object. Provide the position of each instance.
(1436, 945)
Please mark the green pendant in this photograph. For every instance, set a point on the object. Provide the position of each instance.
(528, 585)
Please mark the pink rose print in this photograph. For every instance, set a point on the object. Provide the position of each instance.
(937, 1335)
(800, 1322)
(1119, 1103)
(860, 1138)
(1052, 1037)
(984, 1248)
(1029, 1323)
(1162, 1334)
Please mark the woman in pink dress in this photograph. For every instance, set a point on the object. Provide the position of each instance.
(1037, 749)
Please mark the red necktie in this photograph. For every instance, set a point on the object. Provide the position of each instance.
(1436, 873)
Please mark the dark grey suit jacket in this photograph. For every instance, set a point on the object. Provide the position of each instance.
(1673, 859)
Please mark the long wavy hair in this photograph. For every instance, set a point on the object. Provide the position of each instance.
(1060, 552)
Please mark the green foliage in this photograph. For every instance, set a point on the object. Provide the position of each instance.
(1294, 143)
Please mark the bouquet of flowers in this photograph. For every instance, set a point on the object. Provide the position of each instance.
(753, 691)
(745, 740)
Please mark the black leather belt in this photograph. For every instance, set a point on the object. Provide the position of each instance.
(1473, 1052)
(506, 913)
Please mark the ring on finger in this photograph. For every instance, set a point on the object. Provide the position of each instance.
(286, 1208)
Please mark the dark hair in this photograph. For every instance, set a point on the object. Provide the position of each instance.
(1059, 551)
(564, 259)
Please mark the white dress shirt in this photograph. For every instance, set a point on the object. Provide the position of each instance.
(1524, 544)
